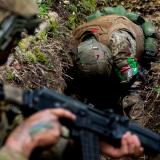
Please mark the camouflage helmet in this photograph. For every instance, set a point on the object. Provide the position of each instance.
(25, 8)
(93, 58)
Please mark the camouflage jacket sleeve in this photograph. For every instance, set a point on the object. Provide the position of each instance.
(123, 47)
(7, 154)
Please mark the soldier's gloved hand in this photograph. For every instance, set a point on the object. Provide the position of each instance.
(41, 129)
(130, 146)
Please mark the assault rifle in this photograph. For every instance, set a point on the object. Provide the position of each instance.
(10, 30)
(13, 25)
(90, 125)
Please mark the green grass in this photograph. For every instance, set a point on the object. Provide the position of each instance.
(40, 56)
(43, 9)
(72, 19)
(89, 5)
(9, 75)
(30, 57)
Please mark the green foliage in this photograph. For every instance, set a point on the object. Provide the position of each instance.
(73, 8)
(72, 20)
(9, 75)
(79, 10)
(53, 25)
(89, 5)
(30, 57)
(157, 89)
(25, 43)
(43, 9)
(22, 46)
(41, 57)
(53, 28)
(42, 36)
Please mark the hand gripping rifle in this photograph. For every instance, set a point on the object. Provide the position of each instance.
(90, 125)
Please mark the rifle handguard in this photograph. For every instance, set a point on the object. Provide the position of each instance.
(89, 121)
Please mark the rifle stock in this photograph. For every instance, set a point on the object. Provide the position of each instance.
(90, 125)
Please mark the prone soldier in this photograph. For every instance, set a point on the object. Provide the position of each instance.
(112, 53)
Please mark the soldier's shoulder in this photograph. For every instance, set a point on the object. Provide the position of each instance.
(20, 7)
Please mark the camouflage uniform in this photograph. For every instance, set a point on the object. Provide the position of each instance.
(15, 17)
(123, 41)
(7, 154)
(21, 8)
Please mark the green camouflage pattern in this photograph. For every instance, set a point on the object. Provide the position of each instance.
(7, 154)
(133, 102)
(151, 45)
(136, 18)
(25, 8)
(94, 16)
(148, 27)
(5, 120)
(93, 58)
(119, 10)
(122, 46)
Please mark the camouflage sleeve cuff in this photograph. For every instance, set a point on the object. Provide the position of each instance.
(127, 72)
(8, 154)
